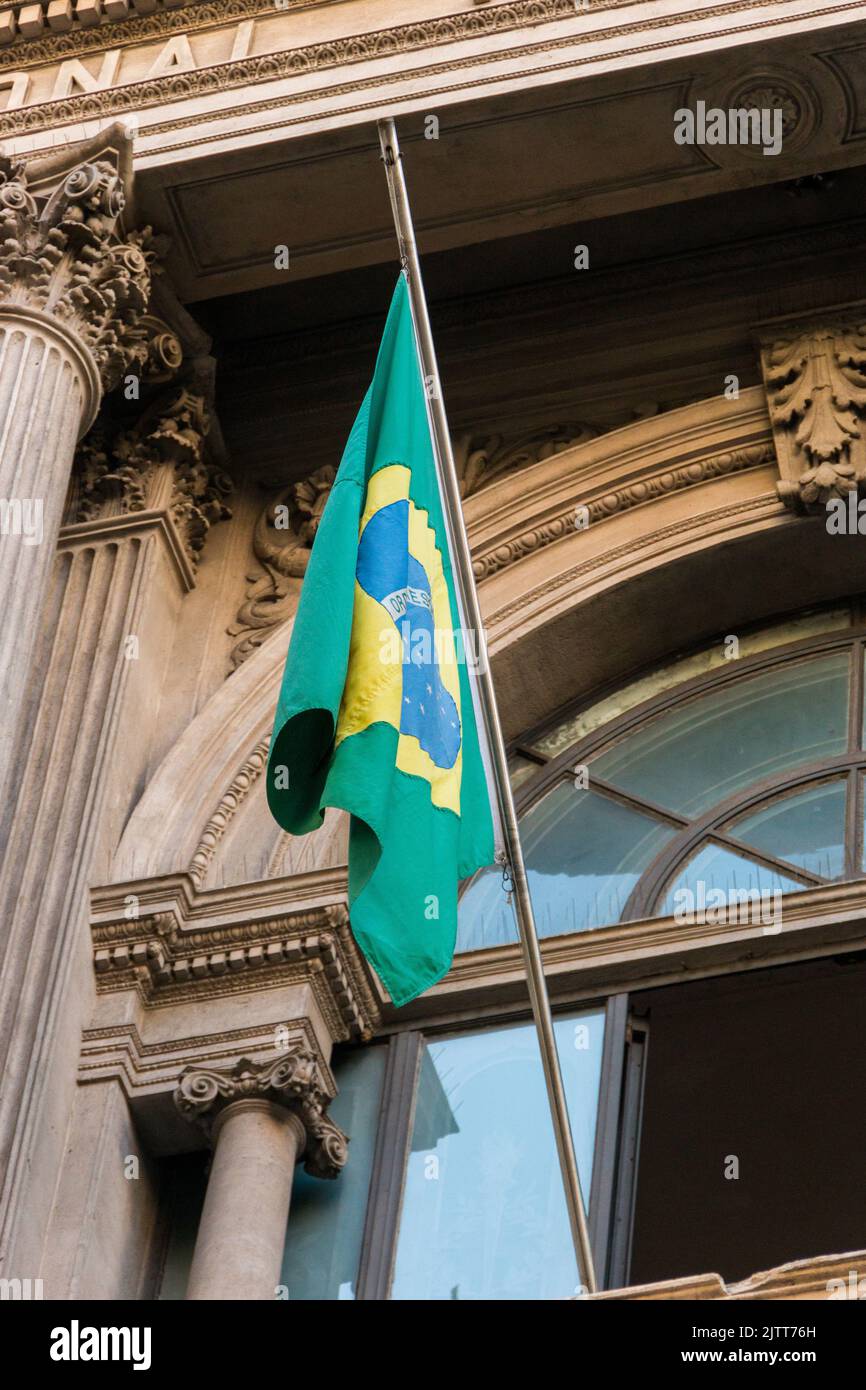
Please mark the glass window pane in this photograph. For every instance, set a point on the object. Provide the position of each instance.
(715, 867)
(694, 756)
(584, 854)
(326, 1219)
(483, 1212)
(667, 677)
(807, 828)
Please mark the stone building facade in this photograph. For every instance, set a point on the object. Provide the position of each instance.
(653, 347)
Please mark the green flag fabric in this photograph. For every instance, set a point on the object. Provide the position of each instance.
(375, 713)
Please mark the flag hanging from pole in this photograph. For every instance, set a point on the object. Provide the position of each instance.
(375, 714)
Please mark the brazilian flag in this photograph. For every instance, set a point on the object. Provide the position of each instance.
(375, 712)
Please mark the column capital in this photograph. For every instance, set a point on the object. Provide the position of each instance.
(163, 462)
(65, 253)
(292, 1081)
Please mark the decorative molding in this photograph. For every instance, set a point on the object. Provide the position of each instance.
(166, 960)
(775, 89)
(481, 460)
(61, 253)
(230, 801)
(291, 1080)
(186, 17)
(365, 48)
(77, 26)
(164, 350)
(160, 463)
(815, 378)
(282, 539)
(753, 511)
(608, 504)
(146, 1067)
(194, 17)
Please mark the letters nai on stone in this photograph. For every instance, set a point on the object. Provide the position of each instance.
(815, 378)
(292, 1081)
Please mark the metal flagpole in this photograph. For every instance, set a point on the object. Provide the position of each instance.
(471, 611)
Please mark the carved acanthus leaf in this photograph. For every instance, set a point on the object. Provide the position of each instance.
(160, 462)
(62, 253)
(816, 389)
(282, 539)
(486, 459)
(292, 1080)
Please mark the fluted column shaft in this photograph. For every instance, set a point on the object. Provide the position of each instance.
(110, 580)
(49, 394)
(239, 1248)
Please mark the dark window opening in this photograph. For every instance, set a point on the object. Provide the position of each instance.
(762, 1074)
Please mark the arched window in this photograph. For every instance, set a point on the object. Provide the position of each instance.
(738, 768)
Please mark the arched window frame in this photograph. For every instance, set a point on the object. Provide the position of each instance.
(644, 899)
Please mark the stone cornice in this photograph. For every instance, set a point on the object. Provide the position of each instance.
(186, 946)
(180, 17)
(97, 31)
(387, 43)
(147, 1069)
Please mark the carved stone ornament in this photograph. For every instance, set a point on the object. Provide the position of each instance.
(61, 253)
(159, 463)
(282, 541)
(483, 460)
(815, 376)
(291, 1080)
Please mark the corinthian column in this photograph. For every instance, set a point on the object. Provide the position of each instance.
(72, 290)
(259, 1117)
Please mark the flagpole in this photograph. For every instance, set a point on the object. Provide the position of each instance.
(471, 612)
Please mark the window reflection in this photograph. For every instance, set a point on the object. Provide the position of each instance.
(716, 867)
(699, 753)
(807, 829)
(584, 854)
(483, 1211)
(326, 1219)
